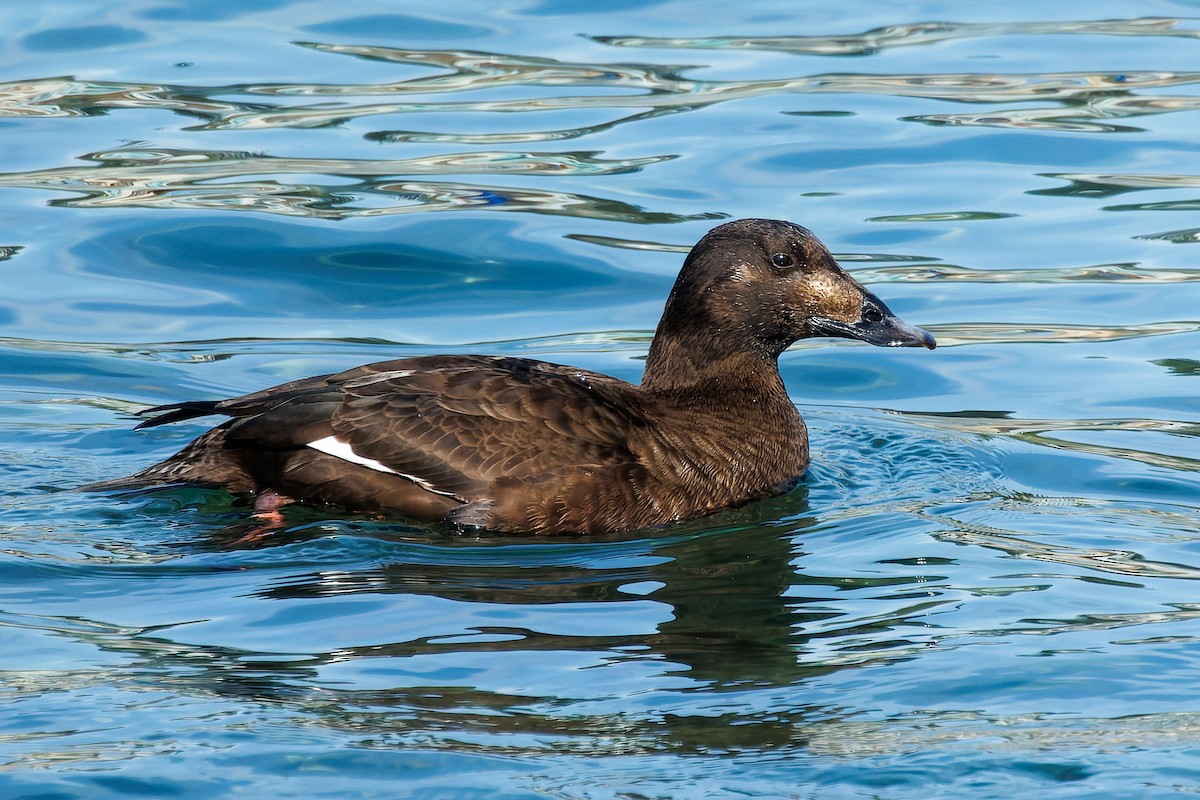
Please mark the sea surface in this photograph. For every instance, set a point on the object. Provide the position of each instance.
(987, 587)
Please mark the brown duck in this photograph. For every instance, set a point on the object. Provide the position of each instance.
(511, 444)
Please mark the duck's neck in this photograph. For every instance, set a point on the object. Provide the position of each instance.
(677, 364)
(731, 419)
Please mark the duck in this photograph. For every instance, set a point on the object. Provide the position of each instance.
(516, 445)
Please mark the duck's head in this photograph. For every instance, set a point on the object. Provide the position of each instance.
(759, 285)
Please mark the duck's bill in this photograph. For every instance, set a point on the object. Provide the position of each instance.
(877, 326)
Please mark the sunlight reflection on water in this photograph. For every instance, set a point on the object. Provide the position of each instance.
(983, 586)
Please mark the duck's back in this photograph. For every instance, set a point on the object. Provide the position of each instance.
(500, 443)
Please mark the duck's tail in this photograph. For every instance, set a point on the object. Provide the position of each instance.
(176, 412)
(204, 462)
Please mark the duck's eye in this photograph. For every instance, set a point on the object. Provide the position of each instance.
(782, 260)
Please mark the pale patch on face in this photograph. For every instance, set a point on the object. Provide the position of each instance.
(335, 447)
(742, 272)
(836, 297)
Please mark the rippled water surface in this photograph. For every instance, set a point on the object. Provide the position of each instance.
(989, 585)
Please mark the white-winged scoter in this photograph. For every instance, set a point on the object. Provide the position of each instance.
(516, 445)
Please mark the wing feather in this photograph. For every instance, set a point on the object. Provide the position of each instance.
(454, 425)
(472, 420)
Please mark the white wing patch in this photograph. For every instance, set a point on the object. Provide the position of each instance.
(336, 447)
(331, 445)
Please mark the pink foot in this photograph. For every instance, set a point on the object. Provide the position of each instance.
(269, 503)
(270, 518)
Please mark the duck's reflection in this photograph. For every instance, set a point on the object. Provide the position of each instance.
(723, 618)
(699, 612)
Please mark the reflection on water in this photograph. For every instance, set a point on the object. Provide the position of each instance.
(1107, 185)
(655, 87)
(234, 180)
(1051, 433)
(983, 587)
(1099, 273)
(727, 635)
(216, 180)
(917, 33)
(1016, 333)
(1078, 117)
(1120, 562)
(712, 610)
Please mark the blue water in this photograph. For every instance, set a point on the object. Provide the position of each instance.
(989, 585)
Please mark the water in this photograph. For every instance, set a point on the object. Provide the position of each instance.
(986, 587)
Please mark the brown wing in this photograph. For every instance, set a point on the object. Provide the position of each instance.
(458, 424)
(451, 424)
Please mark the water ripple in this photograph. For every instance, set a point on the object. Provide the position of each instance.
(176, 178)
(966, 545)
(919, 269)
(474, 82)
(1042, 432)
(1124, 272)
(651, 88)
(601, 341)
(1096, 184)
(908, 35)
(1120, 562)
(1018, 333)
(1085, 117)
(211, 350)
